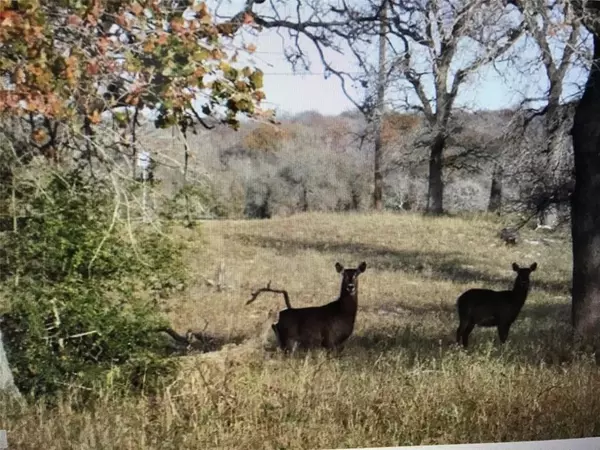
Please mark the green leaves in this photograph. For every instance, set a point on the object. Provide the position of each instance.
(256, 80)
(77, 310)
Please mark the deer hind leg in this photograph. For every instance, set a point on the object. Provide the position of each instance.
(284, 339)
(337, 350)
(460, 331)
(292, 346)
(338, 347)
(466, 332)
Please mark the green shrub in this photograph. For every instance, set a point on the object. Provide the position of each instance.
(78, 307)
(196, 201)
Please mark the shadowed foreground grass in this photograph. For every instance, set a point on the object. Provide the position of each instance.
(400, 379)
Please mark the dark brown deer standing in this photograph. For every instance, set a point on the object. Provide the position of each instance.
(488, 308)
(327, 326)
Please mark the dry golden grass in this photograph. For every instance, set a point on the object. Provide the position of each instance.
(400, 379)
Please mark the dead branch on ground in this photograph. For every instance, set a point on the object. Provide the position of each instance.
(255, 294)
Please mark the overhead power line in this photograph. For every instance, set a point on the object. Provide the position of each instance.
(300, 74)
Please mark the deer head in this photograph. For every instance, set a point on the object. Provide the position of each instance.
(350, 277)
(523, 274)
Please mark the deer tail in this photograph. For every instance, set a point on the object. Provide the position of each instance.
(286, 299)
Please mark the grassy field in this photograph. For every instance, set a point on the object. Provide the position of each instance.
(400, 380)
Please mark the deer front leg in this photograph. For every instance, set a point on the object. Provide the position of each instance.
(503, 332)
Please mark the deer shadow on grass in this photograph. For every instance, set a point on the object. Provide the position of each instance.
(540, 335)
(400, 308)
(446, 266)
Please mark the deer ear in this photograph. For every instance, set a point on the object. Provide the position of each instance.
(533, 266)
(339, 267)
(362, 267)
(515, 267)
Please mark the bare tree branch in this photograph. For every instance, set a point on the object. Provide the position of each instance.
(256, 293)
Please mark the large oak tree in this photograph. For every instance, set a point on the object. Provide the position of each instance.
(585, 206)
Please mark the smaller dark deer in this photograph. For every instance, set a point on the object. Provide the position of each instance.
(326, 326)
(488, 308)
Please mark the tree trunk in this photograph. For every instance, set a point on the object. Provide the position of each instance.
(548, 212)
(134, 144)
(378, 177)
(15, 214)
(585, 208)
(186, 197)
(435, 194)
(496, 190)
(381, 80)
(7, 382)
(304, 201)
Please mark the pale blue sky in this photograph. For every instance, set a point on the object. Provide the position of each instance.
(293, 93)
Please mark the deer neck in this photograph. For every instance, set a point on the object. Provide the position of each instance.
(349, 301)
(519, 292)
